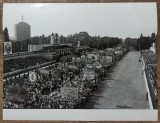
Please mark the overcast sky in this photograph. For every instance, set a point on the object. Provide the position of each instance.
(105, 19)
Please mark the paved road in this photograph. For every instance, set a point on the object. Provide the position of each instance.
(124, 88)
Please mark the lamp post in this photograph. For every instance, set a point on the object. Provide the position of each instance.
(97, 43)
(140, 53)
(139, 47)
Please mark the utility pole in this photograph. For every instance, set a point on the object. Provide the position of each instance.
(139, 46)
(97, 38)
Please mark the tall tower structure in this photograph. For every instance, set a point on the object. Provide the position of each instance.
(22, 31)
(52, 39)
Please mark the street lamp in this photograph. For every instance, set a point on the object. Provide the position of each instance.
(139, 46)
(139, 52)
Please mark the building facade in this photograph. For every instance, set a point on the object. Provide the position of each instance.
(81, 36)
(55, 39)
(22, 31)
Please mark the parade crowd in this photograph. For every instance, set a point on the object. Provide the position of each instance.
(21, 63)
(47, 91)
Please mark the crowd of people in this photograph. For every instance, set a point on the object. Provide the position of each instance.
(47, 91)
(38, 93)
(21, 63)
(149, 62)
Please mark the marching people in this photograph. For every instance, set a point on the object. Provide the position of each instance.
(47, 91)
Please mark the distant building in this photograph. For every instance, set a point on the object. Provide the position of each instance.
(55, 39)
(59, 49)
(70, 44)
(22, 31)
(81, 36)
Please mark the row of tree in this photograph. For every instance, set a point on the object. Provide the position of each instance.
(94, 42)
(141, 43)
(103, 42)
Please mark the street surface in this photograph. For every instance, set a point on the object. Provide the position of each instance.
(124, 88)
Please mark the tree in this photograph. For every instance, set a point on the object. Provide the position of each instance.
(143, 43)
(141, 36)
(153, 35)
(132, 43)
(153, 38)
(6, 35)
(43, 39)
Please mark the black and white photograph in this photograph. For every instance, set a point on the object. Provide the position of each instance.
(79, 56)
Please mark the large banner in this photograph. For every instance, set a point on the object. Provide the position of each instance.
(109, 59)
(106, 60)
(7, 48)
(69, 92)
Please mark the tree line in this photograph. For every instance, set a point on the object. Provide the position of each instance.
(96, 42)
(141, 43)
(93, 42)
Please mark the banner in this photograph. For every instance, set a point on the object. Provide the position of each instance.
(97, 65)
(118, 52)
(7, 48)
(44, 71)
(32, 77)
(109, 59)
(89, 74)
(69, 92)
